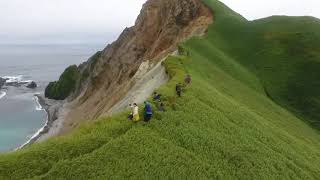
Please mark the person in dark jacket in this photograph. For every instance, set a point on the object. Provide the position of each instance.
(179, 89)
(160, 107)
(148, 112)
(187, 79)
(156, 96)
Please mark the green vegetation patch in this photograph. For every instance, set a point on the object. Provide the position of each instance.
(59, 90)
(219, 129)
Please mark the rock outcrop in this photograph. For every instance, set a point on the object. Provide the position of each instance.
(2, 82)
(61, 89)
(14, 83)
(32, 85)
(108, 75)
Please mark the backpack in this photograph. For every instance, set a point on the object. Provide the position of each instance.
(148, 109)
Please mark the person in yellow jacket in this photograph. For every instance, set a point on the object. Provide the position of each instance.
(135, 113)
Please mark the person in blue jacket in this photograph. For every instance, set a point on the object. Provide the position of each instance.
(148, 111)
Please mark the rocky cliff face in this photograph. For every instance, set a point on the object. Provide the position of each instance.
(2, 82)
(107, 76)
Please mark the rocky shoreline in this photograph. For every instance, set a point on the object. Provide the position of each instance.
(52, 109)
(16, 83)
(2, 82)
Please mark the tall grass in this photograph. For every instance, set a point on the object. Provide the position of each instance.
(220, 128)
(223, 127)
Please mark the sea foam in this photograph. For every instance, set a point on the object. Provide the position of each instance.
(38, 105)
(2, 94)
(36, 135)
(16, 79)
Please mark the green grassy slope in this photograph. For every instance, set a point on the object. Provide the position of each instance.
(224, 126)
(288, 61)
(283, 52)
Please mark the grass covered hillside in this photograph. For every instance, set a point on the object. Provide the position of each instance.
(239, 119)
(283, 52)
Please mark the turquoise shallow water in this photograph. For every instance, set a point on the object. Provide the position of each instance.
(20, 115)
(19, 119)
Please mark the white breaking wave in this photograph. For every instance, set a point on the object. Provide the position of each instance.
(11, 79)
(39, 108)
(34, 136)
(38, 105)
(16, 79)
(26, 81)
(2, 94)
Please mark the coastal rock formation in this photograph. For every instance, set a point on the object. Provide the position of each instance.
(10, 82)
(2, 82)
(59, 90)
(108, 75)
(32, 85)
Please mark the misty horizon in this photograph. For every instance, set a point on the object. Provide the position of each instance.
(101, 22)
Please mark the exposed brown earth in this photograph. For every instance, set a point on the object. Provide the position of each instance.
(107, 77)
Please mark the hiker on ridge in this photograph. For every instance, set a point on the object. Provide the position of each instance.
(187, 79)
(179, 89)
(161, 107)
(135, 112)
(156, 96)
(131, 113)
(148, 111)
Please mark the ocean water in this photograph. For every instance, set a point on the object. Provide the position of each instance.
(20, 114)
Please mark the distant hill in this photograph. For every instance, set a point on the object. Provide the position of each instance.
(251, 112)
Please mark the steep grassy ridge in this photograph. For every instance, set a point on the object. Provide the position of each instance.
(283, 52)
(224, 127)
(214, 131)
(287, 60)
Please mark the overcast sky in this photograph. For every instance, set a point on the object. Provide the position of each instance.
(255, 9)
(91, 21)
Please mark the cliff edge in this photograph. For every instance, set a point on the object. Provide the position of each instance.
(107, 77)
